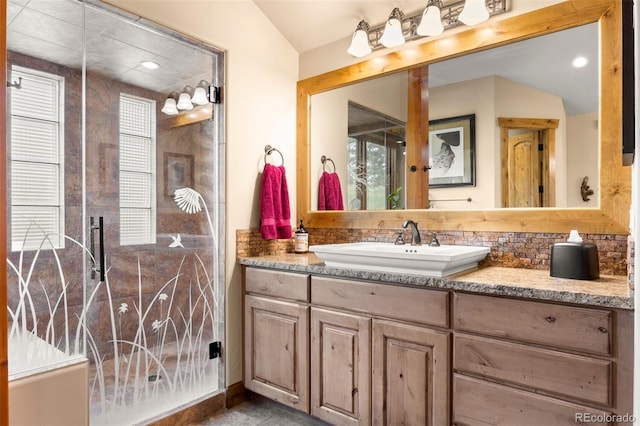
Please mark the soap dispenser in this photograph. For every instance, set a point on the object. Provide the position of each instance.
(575, 259)
(301, 240)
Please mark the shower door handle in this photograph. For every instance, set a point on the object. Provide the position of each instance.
(100, 268)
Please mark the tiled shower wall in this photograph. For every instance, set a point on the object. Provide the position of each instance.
(508, 249)
(130, 268)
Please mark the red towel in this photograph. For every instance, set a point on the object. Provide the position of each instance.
(330, 192)
(274, 204)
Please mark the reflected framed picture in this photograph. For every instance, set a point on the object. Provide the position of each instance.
(178, 172)
(452, 155)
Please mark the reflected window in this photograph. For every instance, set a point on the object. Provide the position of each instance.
(137, 170)
(36, 144)
(376, 157)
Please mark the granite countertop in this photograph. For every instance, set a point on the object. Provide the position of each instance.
(607, 291)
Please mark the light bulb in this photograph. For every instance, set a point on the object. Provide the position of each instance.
(392, 35)
(169, 107)
(359, 44)
(199, 96)
(184, 102)
(474, 12)
(579, 62)
(431, 24)
(360, 41)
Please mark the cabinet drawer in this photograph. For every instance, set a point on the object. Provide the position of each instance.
(564, 374)
(277, 284)
(410, 304)
(477, 402)
(568, 327)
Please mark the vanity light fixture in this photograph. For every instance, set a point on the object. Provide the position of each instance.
(170, 107)
(200, 94)
(184, 101)
(360, 40)
(392, 35)
(474, 12)
(431, 21)
(203, 94)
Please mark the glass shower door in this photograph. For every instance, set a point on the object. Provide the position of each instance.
(115, 207)
(45, 272)
(153, 322)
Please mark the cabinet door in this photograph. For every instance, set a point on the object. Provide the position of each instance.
(410, 375)
(340, 367)
(277, 350)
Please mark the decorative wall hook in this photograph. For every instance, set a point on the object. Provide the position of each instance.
(585, 191)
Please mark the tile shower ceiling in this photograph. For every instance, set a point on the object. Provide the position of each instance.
(52, 30)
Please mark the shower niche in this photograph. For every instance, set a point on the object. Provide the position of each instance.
(114, 207)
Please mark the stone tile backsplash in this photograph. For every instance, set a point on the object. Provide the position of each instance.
(509, 249)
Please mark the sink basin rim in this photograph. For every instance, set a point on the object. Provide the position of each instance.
(422, 260)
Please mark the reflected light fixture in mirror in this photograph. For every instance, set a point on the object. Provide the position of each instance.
(431, 23)
(204, 93)
(200, 94)
(392, 36)
(170, 107)
(184, 101)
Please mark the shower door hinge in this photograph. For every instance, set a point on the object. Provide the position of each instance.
(214, 94)
(215, 350)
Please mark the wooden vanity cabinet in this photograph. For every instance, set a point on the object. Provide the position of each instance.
(365, 353)
(276, 336)
(531, 363)
(409, 370)
(410, 375)
(340, 367)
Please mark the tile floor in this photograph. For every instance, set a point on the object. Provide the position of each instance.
(259, 411)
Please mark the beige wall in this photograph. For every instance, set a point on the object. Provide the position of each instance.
(470, 97)
(260, 95)
(582, 158)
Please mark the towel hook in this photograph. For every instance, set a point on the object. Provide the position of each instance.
(268, 150)
(324, 160)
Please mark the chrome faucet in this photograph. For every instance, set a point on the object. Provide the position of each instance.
(415, 234)
(434, 240)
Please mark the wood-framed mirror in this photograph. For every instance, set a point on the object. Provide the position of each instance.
(612, 212)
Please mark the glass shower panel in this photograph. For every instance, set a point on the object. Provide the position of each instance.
(151, 179)
(115, 207)
(45, 279)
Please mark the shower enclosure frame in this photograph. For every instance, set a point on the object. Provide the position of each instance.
(4, 361)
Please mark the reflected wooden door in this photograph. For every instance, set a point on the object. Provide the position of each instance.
(525, 165)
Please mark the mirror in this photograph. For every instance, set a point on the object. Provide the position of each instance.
(529, 78)
(412, 67)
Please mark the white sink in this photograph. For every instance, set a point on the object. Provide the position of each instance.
(387, 257)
